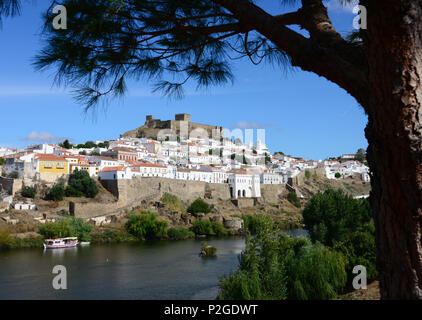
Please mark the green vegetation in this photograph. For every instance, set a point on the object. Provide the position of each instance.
(112, 236)
(56, 193)
(81, 184)
(2, 161)
(208, 251)
(202, 227)
(14, 175)
(66, 227)
(28, 192)
(173, 203)
(179, 233)
(66, 144)
(199, 206)
(337, 175)
(146, 226)
(360, 155)
(58, 229)
(81, 229)
(308, 174)
(276, 266)
(10, 242)
(257, 223)
(208, 228)
(293, 199)
(345, 224)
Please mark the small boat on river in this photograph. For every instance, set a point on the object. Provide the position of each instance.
(61, 243)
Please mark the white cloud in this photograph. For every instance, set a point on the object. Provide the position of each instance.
(44, 137)
(253, 125)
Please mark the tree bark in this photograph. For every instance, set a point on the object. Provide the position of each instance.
(394, 52)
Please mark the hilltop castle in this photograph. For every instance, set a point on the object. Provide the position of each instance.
(181, 125)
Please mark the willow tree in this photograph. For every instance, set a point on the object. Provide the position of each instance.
(171, 42)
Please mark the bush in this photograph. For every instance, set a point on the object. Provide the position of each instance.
(293, 199)
(81, 183)
(179, 233)
(173, 203)
(81, 229)
(146, 226)
(112, 236)
(199, 206)
(337, 175)
(28, 192)
(14, 175)
(257, 223)
(339, 221)
(2, 161)
(307, 174)
(219, 229)
(67, 227)
(59, 229)
(203, 227)
(280, 267)
(72, 192)
(56, 193)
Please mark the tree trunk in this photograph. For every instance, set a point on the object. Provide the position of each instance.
(394, 132)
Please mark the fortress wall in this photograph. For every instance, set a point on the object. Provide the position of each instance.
(152, 189)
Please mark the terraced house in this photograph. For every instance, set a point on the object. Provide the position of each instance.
(50, 167)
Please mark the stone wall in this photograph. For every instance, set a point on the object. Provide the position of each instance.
(244, 202)
(152, 189)
(10, 185)
(271, 193)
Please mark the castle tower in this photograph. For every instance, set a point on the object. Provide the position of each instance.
(182, 117)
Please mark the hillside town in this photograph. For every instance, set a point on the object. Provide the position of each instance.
(243, 166)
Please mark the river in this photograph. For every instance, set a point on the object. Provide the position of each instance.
(155, 270)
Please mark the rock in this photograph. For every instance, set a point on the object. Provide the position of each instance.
(233, 223)
(208, 251)
(216, 218)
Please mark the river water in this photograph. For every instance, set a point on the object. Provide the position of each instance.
(155, 270)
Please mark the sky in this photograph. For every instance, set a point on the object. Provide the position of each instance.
(302, 114)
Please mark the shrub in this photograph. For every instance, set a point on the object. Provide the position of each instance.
(339, 221)
(28, 192)
(280, 267)
(2, 161)
(307, 174)
(208, 251)
(59, 229)
(5, 239)
(146, 226)
(219, 229)
(337, 175)
(81, 182)
(14, 175)
(112, 236)
(72, 192)
(293, 199)
(203, 227)
(198, 206)
(257, 223)
(56, 193)
(179, 233)
(173, 203)
(81, 229)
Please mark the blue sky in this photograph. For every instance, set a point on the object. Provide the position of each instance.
(303, 114)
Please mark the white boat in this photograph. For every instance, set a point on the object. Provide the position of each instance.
(84, 243)
(61, 243)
